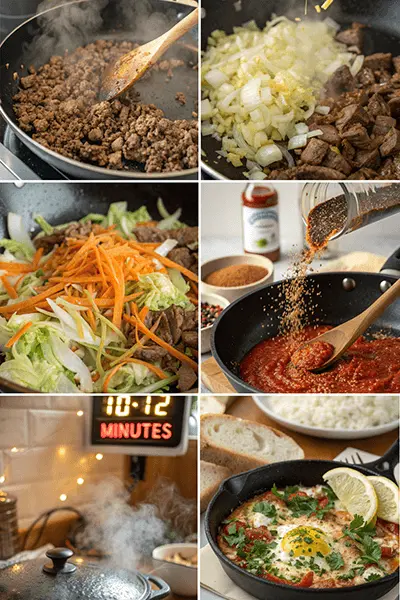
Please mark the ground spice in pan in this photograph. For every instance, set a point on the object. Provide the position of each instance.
(236, 275)
(330, 217)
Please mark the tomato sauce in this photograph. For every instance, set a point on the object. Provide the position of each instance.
(313, 355)
(367, 366)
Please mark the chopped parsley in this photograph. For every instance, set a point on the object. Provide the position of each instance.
(235, 538)
(265, 508)
(374, 577)
(335, 561)
(362, 533)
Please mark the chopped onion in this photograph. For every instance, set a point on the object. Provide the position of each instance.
(257, 175)
(286, 154)
(207, 128)
(297, 141)
(215, 78)
(165, 248)
(332, 24)
(323, 110)
(169, 221)
(206, 109)
(72, 362)
(301, 128)
(314, 133)
(250, 94)
(17, 230)
(267, 155)
(357, 65)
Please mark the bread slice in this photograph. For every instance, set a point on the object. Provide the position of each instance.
(211, 477)
(211, 405)
(241, 445)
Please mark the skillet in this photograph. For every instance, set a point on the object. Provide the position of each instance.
(59, 203)
(239, 488)
(382, 35)
(81, 22)
(333, 298)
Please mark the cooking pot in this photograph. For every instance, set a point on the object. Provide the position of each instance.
(61, 579)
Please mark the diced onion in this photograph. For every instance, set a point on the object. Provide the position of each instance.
(17, 230)
(323, 110)
(357, 65)
(332, 24)
(166, 247)
(216, 78)
(314, 133)
(206, 109)
(267, 155)
(301, 128)
(297, 141)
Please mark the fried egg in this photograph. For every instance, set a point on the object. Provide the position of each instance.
(294, 541)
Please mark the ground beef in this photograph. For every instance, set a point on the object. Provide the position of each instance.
(57, 106)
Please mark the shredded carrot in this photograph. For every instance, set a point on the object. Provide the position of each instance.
(31, 301)
(91, 319)
(11, 291)
(37, 257)
(153, 368)
(19, 333)
(15, 268)
(168, 262)
(171, 350)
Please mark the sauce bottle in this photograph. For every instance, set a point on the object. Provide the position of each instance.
(261, 220)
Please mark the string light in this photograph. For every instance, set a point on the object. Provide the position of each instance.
(99, 456)
(14, 449)
(80, 413)
(63, 497)
(80, 480)
(2, 479)
(61, 451)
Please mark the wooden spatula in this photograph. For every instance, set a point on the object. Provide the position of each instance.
(121, 75)
(343, 336)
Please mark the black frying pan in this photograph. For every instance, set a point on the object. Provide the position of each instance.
(335, 298)
(79, 23)
(239, 488)
(382, 35)
(60, 203)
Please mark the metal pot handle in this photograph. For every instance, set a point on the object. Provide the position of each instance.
(392, 265)
(386, 464)
(163, 590)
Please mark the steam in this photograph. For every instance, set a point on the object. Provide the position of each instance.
(126, 534)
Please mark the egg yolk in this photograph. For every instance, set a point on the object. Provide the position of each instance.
(305, 541)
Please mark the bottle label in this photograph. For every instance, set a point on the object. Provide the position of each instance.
(260, 229)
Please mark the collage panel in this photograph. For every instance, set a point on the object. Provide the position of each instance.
(99, 287)
(88, 515)
(299, 287)
(298, 496)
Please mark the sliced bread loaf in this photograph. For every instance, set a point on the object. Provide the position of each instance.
(240, 445)
(211, 405)
(211, 477)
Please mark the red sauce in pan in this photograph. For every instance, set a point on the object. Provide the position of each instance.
(367, 366)
(313, 355)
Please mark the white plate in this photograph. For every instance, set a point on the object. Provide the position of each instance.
(339, 434)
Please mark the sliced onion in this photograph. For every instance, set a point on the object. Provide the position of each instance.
(205, 109)
(357, 65)
(267, 155)
(286, 154)
(165, 248)
(323, 110)
(314, 133)
(297, 141)
(17, 230)
(301, 128)
(169, 221)
(257, 175)
(215, 78)
(250, 94)
(73, 363)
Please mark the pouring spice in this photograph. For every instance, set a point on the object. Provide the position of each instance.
(236, 275)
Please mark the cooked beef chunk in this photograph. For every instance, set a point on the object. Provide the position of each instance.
(187, 378)
(47, 242)
(337, 162)
(383, 124)
(348, 151)
(366, 77)
(367, 158)
(58, 106)
(151, 353)
(353, 36)
(396, 63)
(341, 81)
(377, 106)
(358, 136)
(183, 257)
(308, 172)
(314, 152)
(190, 338)
(150, 235)
(185, 235)
(391, 143)
(364, 174)
(394, 106)
(329, 135)
(378, 62)
(354, 113)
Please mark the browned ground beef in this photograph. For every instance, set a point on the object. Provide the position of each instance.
(57, 105)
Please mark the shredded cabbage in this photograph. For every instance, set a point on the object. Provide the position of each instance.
(259, 84)
(160, 293)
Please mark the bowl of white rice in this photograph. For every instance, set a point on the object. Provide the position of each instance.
(339, 417)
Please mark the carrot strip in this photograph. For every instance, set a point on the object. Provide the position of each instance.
(37, 257)
(168, 262)
(19, 333)
(91, 319)
(171, 350)
(10, 289)
(153, 368)
(15, 268)
(31, 301)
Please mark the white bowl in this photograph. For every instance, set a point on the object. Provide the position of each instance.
(233, 293)
(181, 579)
(206, 331)
(265, 404)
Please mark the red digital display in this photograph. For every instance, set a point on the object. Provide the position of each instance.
(135, 431)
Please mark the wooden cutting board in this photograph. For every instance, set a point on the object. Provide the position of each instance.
(214, 379)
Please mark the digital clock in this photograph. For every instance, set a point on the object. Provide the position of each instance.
(139, 425)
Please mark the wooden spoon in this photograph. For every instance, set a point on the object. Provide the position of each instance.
(343, 336)
(121, 75)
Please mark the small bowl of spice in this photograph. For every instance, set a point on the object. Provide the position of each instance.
(233, 276)
(211, 307)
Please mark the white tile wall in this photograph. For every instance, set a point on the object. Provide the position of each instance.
(42, 453)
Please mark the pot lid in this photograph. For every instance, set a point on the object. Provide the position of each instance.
(61, 579)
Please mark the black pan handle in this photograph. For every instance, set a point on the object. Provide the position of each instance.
(392, 265)
(163, 588)
(386, 464)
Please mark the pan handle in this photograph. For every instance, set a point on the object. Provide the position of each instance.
(392, 265)
(385, 465)
(163, 588)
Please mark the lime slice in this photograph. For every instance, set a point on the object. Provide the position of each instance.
(354, 491)
(388, 498)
